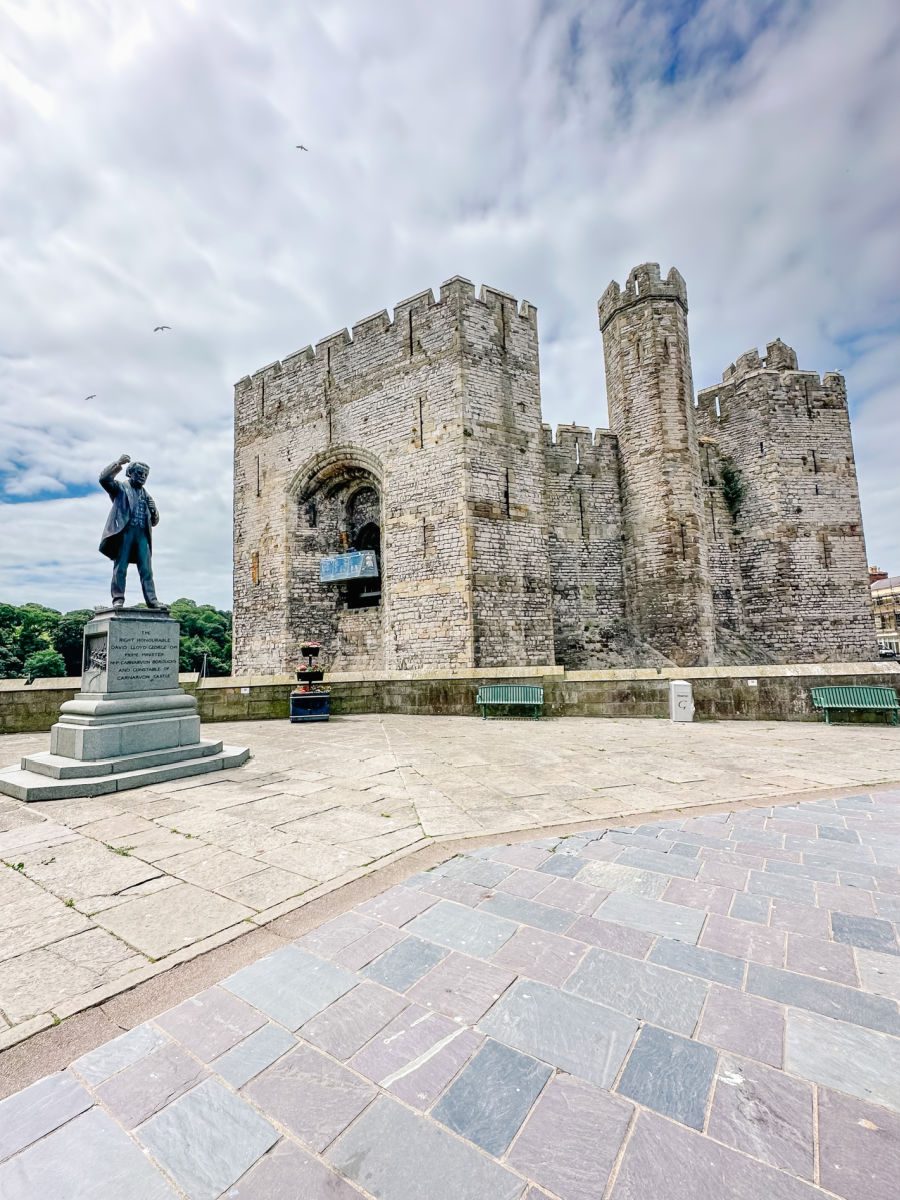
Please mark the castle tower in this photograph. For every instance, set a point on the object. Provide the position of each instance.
(650, 395)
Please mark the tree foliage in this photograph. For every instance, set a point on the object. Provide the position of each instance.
(38, 640)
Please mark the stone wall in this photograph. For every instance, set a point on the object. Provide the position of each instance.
(650, 395)
(797, 551)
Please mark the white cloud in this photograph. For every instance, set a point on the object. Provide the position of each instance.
(148, 175)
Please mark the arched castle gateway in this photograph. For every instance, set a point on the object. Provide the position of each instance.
(397, 498)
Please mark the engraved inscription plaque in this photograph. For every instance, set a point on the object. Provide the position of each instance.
(143, 655)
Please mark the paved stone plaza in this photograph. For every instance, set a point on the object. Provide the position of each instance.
(701, 1006)
(101, 894)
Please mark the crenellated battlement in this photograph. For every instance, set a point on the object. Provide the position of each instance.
(778, 357)
(415, 327)
(577, 445)
(644, 282)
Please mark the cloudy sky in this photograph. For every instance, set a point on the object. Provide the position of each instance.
(148, 175)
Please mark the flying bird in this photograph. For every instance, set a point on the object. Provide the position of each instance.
(92, 396)
(159, 328)
(306, 148)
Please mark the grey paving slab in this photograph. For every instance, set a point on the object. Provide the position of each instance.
(397, 1155)
(253, 1054)
(485, 873)
(468, 930)
(764, 1113)
(640, 989)
(100, 1064)
(670, 1074)
(615, 877)
(210, 1023)
(346, 1025)
(405, 963)
(879, 973)
(564, 1030)
(845, 1057)
(309, 1094)
(417, 1055)
(664, 1159)
(461, 987)
(655, 860)
(571, 1139)
(528, 912)
(207, 1139)
(289, 1173)
(565, 865)
(38, 1110)
(859, 1147)
(869, 933)
(653, 916)
(743, 1024)
(90, 1158)
(828, 999)
(695, 960)
(291, 985)
(524, 883)
(489, 1100)
(135, 1094)
(576, 897)
(781, 887)
(745, 907)
(367, 948)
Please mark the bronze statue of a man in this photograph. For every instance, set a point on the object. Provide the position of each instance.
(127, 537)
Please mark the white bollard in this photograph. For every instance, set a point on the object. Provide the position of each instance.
(681, 700)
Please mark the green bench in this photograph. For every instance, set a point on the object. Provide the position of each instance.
(880, 699)
(515, 695)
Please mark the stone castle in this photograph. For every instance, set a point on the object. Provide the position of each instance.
(724, 528)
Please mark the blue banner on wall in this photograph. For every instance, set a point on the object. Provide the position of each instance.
(360, 564)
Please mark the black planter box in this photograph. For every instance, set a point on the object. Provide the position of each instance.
(310, 706)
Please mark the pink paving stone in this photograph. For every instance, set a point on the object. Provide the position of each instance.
(724, 874)
(744, 939)
(798, 828)
(843, 899)
(571, 1139)
(211, 1022)
(575, 897)
(633, 942)
(521, 856)
(334, 935)
(859, 1147)
(707, 896)
(743, 1024)
(788, 856)
(397, 905)
(361, 952)
(346, 1025)
(824, 960)
(417, 1055)
(765, 1113)
(800, 918)
(540, 955)
(461, 987)
(523, 883)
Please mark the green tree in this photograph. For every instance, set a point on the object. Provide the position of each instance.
(69, 637)
(10, 663)
(37, 629)
(43, 664)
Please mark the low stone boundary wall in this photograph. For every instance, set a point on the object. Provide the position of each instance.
(769, 693)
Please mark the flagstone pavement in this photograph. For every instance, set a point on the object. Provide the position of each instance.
(694, 1007)
(98, 895)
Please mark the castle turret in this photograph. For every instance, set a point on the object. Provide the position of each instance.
(650, 395)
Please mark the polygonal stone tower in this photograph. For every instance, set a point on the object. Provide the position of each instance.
(651, 410)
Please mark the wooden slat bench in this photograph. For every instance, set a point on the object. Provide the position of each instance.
(516, 695)
(880, 699)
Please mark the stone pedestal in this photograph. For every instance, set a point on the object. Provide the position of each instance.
(131, 725)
